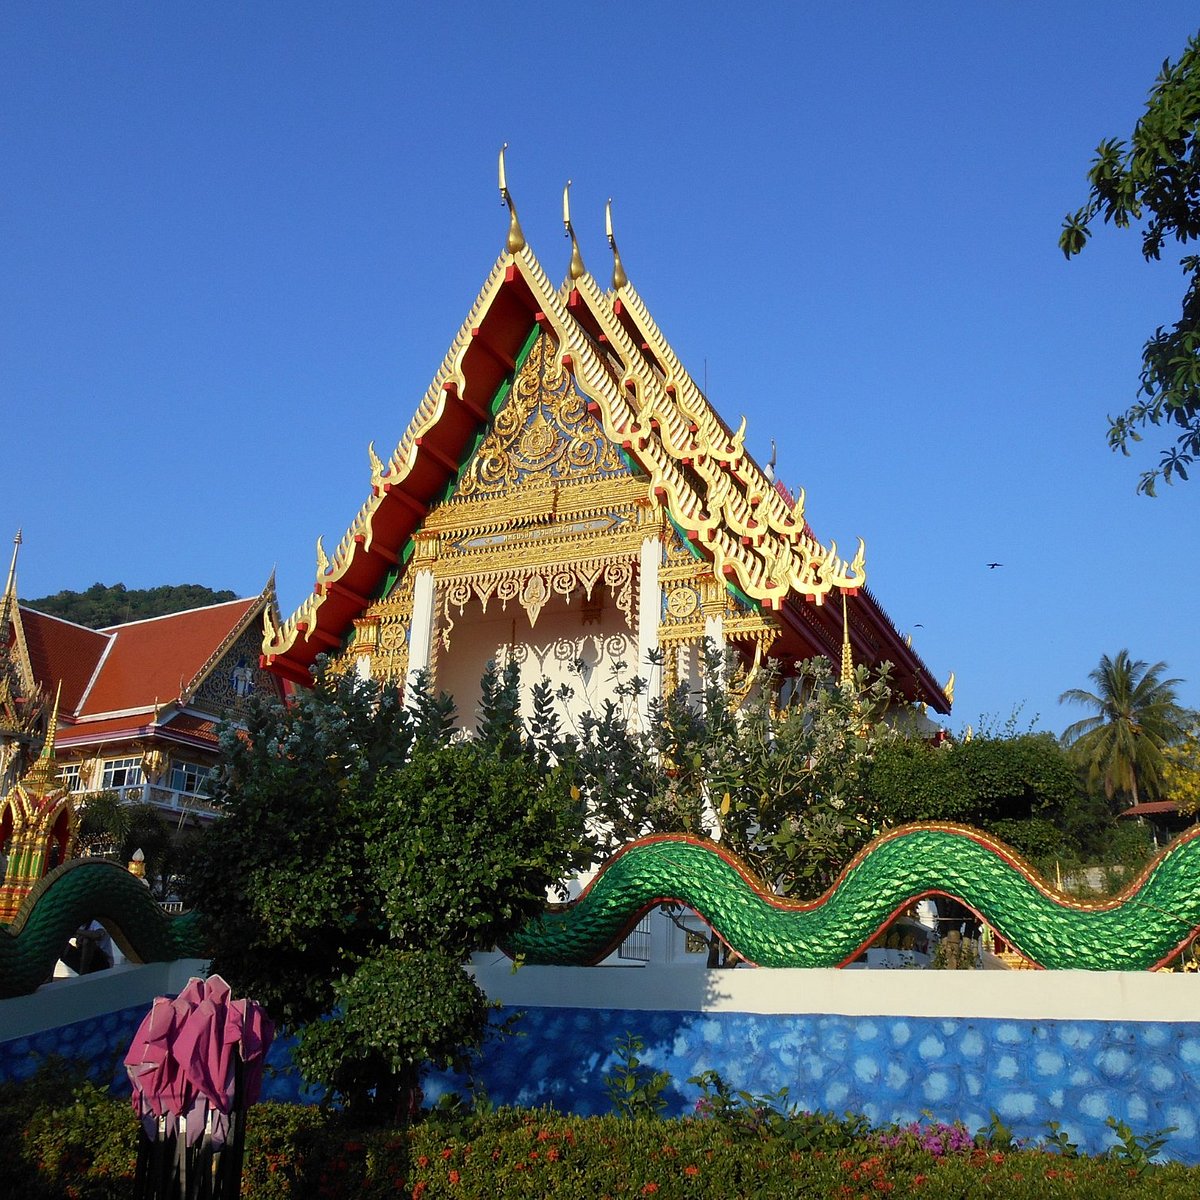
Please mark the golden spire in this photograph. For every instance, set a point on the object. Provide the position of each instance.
(41, 774)
(847, 676)
(619, 278)
(516, 239)
(9, 599)
(576, 270)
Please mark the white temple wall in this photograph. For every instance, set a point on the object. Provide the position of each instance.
(548, 649)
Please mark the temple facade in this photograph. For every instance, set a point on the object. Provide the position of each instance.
(567, 498)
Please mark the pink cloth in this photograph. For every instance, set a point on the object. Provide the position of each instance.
(183, 1057)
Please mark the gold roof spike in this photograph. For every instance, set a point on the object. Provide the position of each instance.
(516, 239)
(41, 774)
(847, 676)
(619, 278)
(10, 586)
(322, 558)
(576, 270)
(948, 690)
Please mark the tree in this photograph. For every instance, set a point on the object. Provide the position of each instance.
(111, 826)
(102, 606)
(1155, 178)
(1020, 788)
(361, 858)
(1136, 718)
(1181, 771)
(780, 786)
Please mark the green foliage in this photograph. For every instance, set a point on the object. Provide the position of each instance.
(295, 1153)
(101, 605)
(362, 857)
(108, 825)
(1135, 1150)
(1181, 771)
(768, 1116)
(635, 1089)
(1018, 788)
(1058, 1140)
(782, 788)
(1136, 715)
(1154, 179)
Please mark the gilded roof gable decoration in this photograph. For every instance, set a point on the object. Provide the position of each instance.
(544, 433)
(560, 432)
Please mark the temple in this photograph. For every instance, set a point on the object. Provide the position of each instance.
(566, 497)
(132, 710)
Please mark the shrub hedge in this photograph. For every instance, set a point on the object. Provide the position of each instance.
(81, 1143)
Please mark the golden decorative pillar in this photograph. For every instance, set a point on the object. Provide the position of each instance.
(43, 828)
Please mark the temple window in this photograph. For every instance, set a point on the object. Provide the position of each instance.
(69, 778)
(188, 777)
(121, 773)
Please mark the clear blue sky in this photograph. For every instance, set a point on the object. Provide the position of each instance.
(235, 242)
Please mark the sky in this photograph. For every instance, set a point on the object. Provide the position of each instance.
(236, 241)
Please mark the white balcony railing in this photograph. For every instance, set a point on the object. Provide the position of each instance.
(168, 799)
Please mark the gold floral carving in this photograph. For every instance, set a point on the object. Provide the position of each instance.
(544, 431)
(532, 587)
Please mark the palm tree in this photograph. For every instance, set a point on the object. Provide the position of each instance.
(1136, 715)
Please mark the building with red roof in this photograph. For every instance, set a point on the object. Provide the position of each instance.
(138, 704)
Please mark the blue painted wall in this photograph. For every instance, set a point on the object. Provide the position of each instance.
(890, 1068)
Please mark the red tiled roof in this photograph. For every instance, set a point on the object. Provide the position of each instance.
(154, 660)
(86, 732)
(193, 727)
(62, 650)
(1149, 808)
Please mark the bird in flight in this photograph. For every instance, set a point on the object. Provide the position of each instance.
(993, 566)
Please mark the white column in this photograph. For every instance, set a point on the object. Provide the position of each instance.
(420, 638)
(649, 615)
(714, 632)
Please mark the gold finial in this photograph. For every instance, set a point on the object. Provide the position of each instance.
(322, 558)
(41, 774)
(516, 239)
(576, 270)
(969, 735)
(619, 278)
(376, 465)
(10, 586)
(949, 688)
(847, 676)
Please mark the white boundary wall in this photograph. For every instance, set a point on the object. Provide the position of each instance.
(1012, 995)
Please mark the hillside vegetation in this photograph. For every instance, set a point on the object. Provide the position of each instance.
(103, 605)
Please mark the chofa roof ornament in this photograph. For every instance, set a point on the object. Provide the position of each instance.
(576, 270)
(619, 278)
(516, 239)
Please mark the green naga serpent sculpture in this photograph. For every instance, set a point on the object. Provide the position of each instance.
(78, 892)
(1147, 924)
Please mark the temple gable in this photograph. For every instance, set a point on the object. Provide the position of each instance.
(542, 434)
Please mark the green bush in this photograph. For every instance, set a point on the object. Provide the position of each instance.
(82, 1144)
